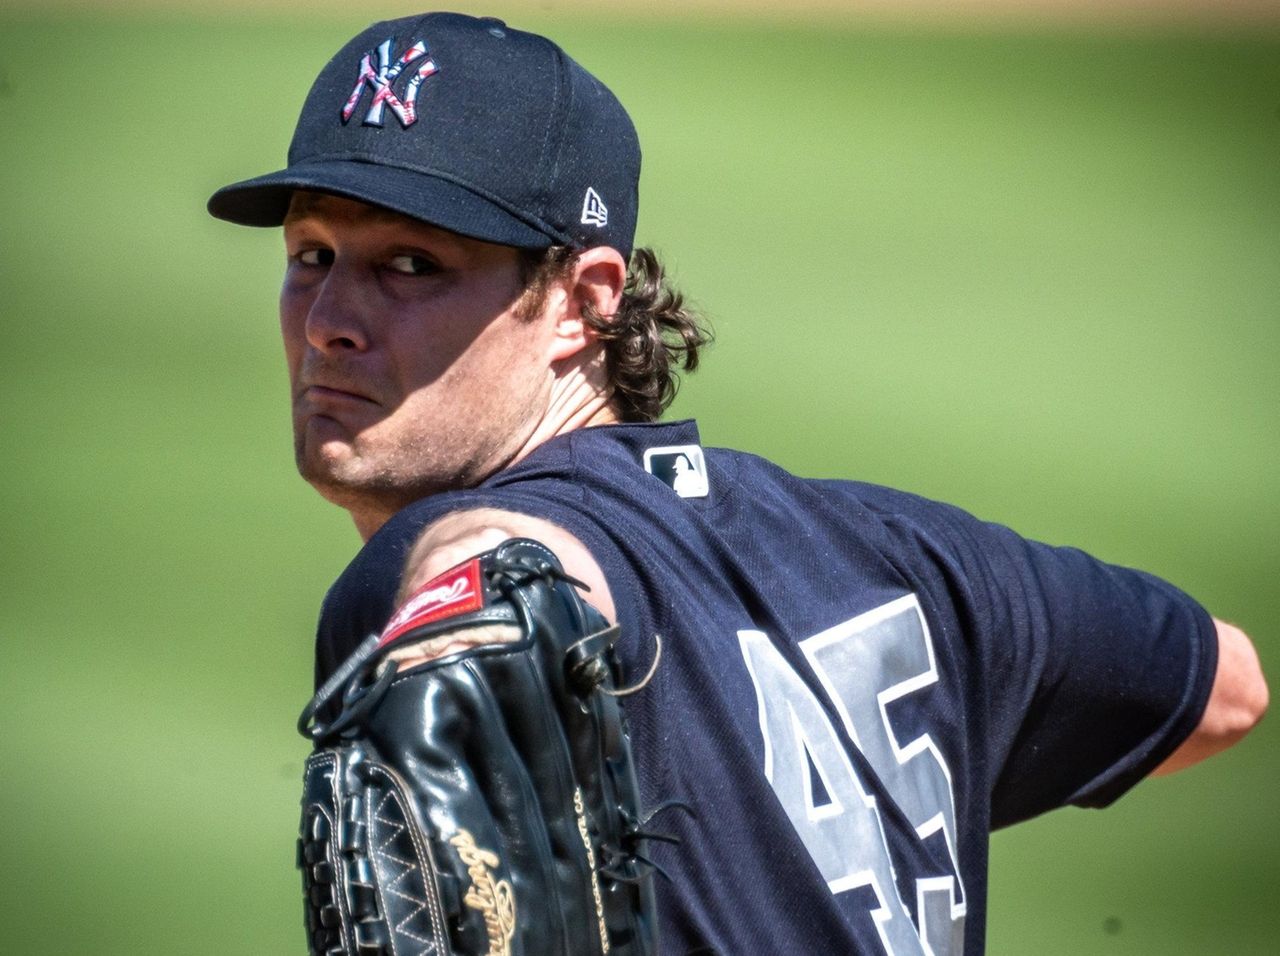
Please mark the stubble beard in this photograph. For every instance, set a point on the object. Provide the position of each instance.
(365, 483)
(380, 480)
(374, 469)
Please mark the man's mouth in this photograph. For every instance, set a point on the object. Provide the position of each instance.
(332, 393)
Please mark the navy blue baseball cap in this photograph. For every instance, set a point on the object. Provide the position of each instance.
(465, 124)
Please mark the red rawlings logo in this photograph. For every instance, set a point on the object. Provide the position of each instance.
(457, 591)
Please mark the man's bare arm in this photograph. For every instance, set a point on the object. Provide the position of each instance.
(1237, 702)
(464, 534)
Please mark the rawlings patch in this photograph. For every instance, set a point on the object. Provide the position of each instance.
(457, 591)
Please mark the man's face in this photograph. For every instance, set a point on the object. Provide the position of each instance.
(413, 369)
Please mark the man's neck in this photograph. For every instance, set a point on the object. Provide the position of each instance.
(576, 401)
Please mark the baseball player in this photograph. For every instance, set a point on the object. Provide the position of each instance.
(834, 691)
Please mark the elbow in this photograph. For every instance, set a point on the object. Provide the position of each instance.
(1237, 703)
(1246, 704)
(1255, 708)
(1260, 702)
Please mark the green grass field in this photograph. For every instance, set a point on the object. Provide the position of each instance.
(1036, 273)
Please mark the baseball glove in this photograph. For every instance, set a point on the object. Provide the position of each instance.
(483, 801)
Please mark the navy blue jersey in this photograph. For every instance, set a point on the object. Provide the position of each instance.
(857, 684)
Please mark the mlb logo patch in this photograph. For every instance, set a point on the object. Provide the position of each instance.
(682, 467)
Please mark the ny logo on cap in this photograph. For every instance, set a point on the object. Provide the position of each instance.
(381, 80)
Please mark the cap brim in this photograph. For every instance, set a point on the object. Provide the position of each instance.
(264, 200)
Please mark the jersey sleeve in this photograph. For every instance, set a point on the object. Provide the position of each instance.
(362, 599)
(1085, 675)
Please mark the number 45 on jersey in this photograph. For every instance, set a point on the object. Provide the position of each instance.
(864, 664)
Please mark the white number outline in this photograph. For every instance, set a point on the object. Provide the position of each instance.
(951, 938)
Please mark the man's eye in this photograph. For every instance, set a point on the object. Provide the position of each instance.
(412, 265)
(315, 257)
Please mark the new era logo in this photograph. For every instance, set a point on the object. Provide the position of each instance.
(381, 80)
(594, 211)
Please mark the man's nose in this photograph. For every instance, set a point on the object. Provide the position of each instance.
(335, 320)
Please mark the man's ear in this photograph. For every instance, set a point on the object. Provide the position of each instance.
(595, 282)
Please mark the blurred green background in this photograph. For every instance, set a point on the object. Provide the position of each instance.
(1030, 269)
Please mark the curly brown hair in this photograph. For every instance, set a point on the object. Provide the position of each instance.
(652, 337)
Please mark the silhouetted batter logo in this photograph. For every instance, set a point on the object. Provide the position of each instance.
(683, 467)
(382, 79)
